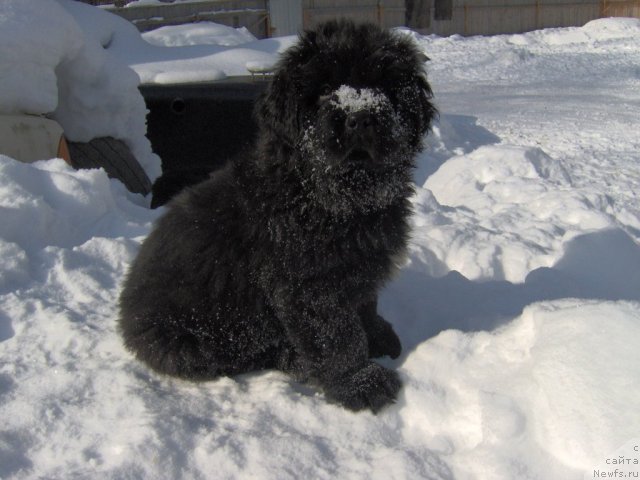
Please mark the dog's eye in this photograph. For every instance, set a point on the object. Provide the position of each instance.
(325, 90)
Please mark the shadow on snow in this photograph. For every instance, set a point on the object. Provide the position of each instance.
(603, 265)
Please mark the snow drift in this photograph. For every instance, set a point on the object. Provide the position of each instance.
(55, 65)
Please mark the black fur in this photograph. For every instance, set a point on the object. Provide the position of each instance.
(276, 260)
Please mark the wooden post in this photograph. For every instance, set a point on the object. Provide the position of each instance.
(464, 13)
(603, 8)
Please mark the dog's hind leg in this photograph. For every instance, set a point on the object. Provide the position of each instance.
(172, 351)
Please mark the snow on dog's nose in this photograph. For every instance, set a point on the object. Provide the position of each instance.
(364, 110)
(352, 100)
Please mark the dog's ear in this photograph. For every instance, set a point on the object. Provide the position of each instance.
(415, 97)
(417, 100)
(405, 66)
(278, 109)
(427, 110)
(421, 95)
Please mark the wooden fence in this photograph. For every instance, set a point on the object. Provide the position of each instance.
(489, 17)
(620, 8)
(266, 18)
(252, 14)
(386, 13)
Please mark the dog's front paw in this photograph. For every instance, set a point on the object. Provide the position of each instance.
(384, 341)
(371, 387)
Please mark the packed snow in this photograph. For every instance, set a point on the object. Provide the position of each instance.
(202, 33)
(518, 308)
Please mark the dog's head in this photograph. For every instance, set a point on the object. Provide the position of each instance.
(354, 100)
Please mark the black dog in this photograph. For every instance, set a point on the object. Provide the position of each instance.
(276, 260)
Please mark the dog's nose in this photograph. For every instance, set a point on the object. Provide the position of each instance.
(359, 121)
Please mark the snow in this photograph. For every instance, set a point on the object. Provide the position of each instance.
(351, 100)
(511, 404)
(51, 64)
(155, 63)
(519, 197)
(202, 33)
(518, 308)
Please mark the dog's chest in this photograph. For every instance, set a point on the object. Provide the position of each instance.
(353, 248)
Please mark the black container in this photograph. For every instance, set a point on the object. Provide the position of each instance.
(196, 128)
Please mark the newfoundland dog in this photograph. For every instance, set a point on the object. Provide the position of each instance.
(276, 260)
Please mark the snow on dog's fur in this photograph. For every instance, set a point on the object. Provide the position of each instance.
(276, 261)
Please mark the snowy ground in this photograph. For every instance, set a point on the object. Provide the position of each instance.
(518, 310)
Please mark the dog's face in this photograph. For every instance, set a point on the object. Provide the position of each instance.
(355, 101)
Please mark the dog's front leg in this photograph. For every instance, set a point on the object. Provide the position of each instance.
(332, 346)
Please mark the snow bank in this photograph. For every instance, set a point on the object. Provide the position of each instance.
(613, 28)
(527, 398)
(201, 33)
(50, 204)
(58, 65)
(552, 391)
(568, 55)
(30, 50)
(494, 204)
(600, 30)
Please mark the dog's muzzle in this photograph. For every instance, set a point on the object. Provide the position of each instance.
(360, 136)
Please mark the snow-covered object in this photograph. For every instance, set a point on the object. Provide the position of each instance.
(82, 66)
(212, 54)
(518, 309)
(35, 37)
(52, 64)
